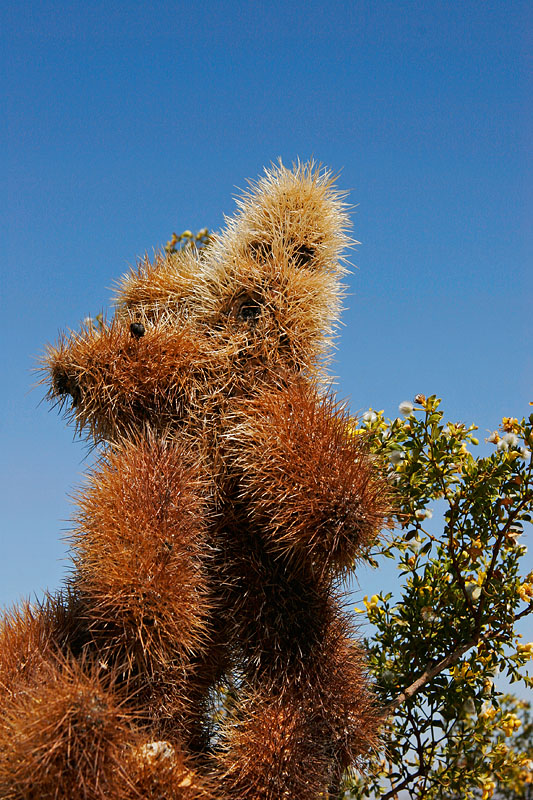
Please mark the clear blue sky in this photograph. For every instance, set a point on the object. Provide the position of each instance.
(125, 121)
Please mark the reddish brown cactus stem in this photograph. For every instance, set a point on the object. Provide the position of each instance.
(208, 540)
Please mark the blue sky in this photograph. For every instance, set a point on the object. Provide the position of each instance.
(126, 121)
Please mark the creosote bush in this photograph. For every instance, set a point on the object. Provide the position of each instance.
(438, 643)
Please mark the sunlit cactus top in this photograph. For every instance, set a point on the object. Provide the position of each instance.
(258, 303)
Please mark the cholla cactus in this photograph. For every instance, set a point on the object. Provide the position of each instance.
(230, 497)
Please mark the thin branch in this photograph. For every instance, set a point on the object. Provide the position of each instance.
(525, 612)
(400, 786)
(435, 669)
(428, 674)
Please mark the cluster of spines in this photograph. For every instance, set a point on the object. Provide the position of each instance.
(307, 482)
(73, 735)
(29, 635)
(140, 550)
(293, 734)
(64, 736)
(159, 288)
(283, 250)
(113, 383)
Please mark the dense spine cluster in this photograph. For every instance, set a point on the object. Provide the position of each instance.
(200, 649)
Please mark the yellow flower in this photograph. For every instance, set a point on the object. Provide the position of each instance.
(371, 604)
(510, 425)
(526, 591)
(172, 242)
(525, 649)
(352, 429)
(488, 787)
(509, 724)
(488, 712)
